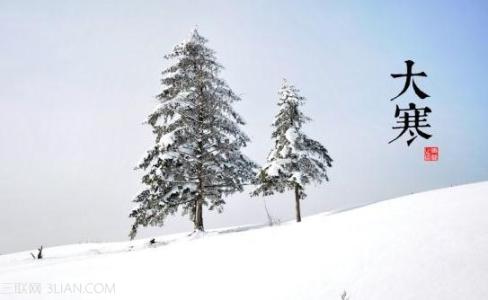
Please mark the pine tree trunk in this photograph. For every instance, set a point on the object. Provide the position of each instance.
(198, 220)
(199, 215)
(297, 204)
(194, 212)
(199, 202)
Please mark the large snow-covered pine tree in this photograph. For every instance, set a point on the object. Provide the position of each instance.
(295, 160)
(196, 159)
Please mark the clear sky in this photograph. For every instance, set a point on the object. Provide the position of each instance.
(79, 77)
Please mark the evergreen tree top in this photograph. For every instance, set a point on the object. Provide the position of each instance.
(289, 114)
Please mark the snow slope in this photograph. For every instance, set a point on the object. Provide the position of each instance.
(432, 245)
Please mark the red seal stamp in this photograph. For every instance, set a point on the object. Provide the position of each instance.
(431, 153)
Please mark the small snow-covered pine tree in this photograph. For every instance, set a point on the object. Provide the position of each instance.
(295, 160)
(197, 157)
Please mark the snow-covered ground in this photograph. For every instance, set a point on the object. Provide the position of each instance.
(431, 245)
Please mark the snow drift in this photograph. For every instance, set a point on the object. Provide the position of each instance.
(431, 245)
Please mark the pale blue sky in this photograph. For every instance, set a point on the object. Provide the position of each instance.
(78, 78)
